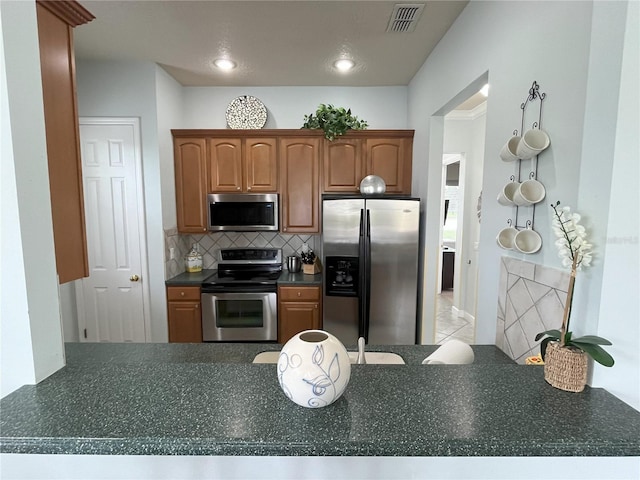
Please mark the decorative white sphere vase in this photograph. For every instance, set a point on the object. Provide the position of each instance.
(314, 368)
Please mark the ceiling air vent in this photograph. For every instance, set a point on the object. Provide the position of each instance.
(404, 17)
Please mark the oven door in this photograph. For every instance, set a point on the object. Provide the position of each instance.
(239, 316)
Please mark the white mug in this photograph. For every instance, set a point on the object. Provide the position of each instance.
(527, 241)
(505, 197)
(528, 193)
(508, 152)
(532, 143)
(505, 237)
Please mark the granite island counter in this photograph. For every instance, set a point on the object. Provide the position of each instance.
(209, 400)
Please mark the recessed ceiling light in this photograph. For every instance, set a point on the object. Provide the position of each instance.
(344, 64)
(485, 90)
(225, 64)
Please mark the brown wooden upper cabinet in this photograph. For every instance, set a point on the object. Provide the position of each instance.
(387, 154)
(299, 184)
(190, 174)
(343, 165)
(297, 164)
(388, 158)
(242, 165)
(56, 21)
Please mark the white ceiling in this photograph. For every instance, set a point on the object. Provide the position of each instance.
(275, 43)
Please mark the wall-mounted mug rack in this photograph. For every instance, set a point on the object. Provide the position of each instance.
(525, 145)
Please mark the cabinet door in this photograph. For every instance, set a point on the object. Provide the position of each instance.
(390, 158)
(295, 317)
(299, 309)
(299, 181)
(185, 322)
(63, 146)
(225, 165)
(190, 173)
(342, 165)
(261, 165)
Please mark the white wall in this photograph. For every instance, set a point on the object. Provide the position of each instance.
(381, 107)
(598, 144)
(32, 346)
(128, 89)
(572, 49)
(619, 305)
(169, 98)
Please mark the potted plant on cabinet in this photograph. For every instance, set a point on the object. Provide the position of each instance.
(565, 357)
(334, 121)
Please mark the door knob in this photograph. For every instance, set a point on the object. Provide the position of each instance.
(134, 278)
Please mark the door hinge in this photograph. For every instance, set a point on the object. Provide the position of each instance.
(85, 333)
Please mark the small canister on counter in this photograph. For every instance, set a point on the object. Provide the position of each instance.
(293, 264)
(193, 260)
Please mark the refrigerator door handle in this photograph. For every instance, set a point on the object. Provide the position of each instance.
(362, 283)
(367, 276)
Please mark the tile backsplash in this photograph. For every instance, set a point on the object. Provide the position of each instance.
(531, 300)
(210, 243)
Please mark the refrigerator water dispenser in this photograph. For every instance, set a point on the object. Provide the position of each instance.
(342, 276)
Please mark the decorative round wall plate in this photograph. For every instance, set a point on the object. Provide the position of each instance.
(246, 112)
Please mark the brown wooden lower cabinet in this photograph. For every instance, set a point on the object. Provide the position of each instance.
(299, 309)
(184, 314)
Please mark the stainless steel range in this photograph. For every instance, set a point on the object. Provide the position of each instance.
(239, 301)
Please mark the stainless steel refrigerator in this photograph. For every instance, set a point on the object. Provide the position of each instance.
(370, 253)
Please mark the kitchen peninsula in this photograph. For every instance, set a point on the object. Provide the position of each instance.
(208, 399)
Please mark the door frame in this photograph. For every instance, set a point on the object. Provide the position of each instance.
(134, 122)
(457, 264)
(449, 158)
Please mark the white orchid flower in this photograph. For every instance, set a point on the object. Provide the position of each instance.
(572, 237)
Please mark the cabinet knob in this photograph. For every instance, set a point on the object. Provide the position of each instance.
(316, 306)
(248, 188)
(237, 188)
(134, 278)
(197, 305)
(182, 294)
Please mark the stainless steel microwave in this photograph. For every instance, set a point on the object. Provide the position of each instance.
(242, 212)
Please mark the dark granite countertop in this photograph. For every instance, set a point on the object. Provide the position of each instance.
(189, 279)
(288, 278)
(170, 399)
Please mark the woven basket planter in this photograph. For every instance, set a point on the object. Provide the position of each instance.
(565, 367)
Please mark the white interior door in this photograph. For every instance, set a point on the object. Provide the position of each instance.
(112, 300)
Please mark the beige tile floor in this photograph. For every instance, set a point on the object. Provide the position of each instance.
(448, 325)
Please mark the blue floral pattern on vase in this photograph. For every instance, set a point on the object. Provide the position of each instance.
(314, 373)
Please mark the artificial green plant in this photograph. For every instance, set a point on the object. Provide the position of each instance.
(335, 121)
